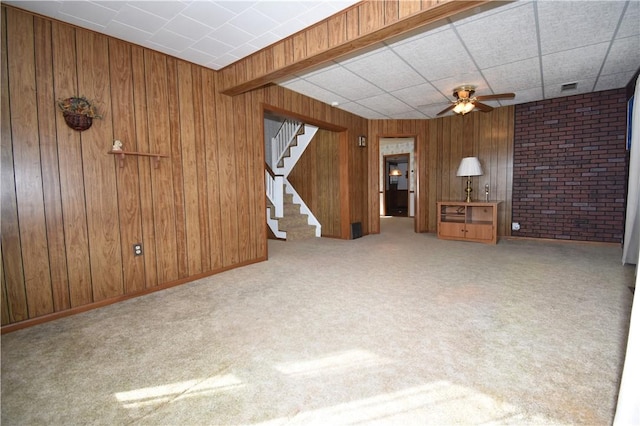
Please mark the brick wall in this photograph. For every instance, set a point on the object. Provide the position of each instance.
(570, 167)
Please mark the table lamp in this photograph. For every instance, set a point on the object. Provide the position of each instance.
(469, 166)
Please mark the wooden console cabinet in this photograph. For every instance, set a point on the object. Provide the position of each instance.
(475, 221)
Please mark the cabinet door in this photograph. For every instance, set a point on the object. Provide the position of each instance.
(479, 232)
(451, 230)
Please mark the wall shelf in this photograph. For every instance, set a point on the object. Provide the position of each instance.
(122, 154)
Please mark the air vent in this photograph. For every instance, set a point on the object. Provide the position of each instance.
(569, 86)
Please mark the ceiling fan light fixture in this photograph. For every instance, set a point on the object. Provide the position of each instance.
(463, 107)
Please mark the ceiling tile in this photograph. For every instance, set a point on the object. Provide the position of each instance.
(568, 24)
(238, 6)
(629, 24)
(385, 70)
(571, 65)
(140, 19)
(88, 12)
(230, 35)
(437, 56)
(385, 102)
(196, 56)
(525, 95)
(282, 11)
(313, 91)
(187, 27)
(125, 32)
(212, 47)
(264, 40)
(357, 109)
(514, 76)
(624, 55)
(507, 36)
(163, 9)
(346, 83)
(423, 94)
(210, 14)
(614, 81)
(254, 22)
(171, 40)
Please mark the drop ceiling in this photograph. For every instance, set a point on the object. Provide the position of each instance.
(530, 48)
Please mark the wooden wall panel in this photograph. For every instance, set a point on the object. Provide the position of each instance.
(50, 167)
(124, 129)
(26, 159)
(14, 302)
(212, 161)
(189, 185)
(226, 179)
(72, 184)
(161, 178)
(141, 143)
(201, 175)
(100, 179)
(177, 181)
(241, 179)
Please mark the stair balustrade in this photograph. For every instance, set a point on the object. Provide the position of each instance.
(283, 140)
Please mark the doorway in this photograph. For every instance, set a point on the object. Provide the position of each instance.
(396, 189)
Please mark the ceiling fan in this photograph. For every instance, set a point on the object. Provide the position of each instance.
(465, 101)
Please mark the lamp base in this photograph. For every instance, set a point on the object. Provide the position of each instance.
(468, 190)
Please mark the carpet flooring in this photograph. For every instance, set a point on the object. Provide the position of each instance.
(388, 329)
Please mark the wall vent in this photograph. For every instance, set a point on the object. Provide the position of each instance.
(569, 86)
(356, 230)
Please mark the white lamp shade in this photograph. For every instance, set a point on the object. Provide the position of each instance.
(469, 166)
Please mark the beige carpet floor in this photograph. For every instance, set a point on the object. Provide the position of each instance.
(389, 329)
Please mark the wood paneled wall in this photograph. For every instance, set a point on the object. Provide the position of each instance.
(440, 145)
(70, 214)
(316, 177)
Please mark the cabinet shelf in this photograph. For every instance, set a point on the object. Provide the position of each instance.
(459, 220)
(122, 154)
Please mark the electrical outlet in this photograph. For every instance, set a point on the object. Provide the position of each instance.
(137, 249)
(515, 226)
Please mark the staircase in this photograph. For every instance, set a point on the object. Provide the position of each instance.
(294, 224)
(288, 216)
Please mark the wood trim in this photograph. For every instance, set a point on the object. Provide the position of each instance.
(365, 19)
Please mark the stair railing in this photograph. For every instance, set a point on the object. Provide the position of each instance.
(283, 139)
(274, 185)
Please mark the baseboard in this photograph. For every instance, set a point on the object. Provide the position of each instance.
(91, 306)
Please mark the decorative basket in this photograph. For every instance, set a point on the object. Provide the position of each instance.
(77, 121)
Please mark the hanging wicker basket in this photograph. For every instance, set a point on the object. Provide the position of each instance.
(78, 112)
(76, 121)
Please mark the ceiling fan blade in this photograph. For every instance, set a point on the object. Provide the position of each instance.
(483, 107)
(498, 96)
(447, 109)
